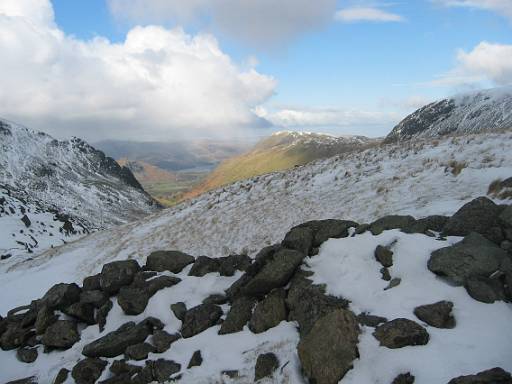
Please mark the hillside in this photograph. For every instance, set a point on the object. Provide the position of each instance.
(467, 113)
(387, 296)
(280, 151)
(52, 192)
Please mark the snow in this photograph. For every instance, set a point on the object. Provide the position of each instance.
(481, 339)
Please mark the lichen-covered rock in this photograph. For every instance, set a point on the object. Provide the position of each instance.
(437, 315)
(81, 311)
(391, 222)
(139, 351)
(491, 376)
(172, 261)
(299, 239)
(370, 320)
(89, 370)
(404, 378)
(327, 352)
(200, 318)
(27, 355)
(384, 256)
(102, 313)
(401, 333)
(45, 318)
(196, 360)
(266, 365)
(179, 310)
(62, 376)
(238, 316)
(61, 296)
(62, 334)
(163, 340)
(269, 312)
(118, 274)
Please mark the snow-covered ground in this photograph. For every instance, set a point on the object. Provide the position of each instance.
(412, 178)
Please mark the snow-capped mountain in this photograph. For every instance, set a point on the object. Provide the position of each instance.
(485, 110)
(391, 298)
(53, 191)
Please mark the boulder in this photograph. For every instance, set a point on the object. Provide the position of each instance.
(327, 352)
(196, 360)
(400, 333)
(204, 265)
(81, 311)
(505, 218)
(118, 274)
(133, 301)
(307, 302)
(200, 318)
(14, 336)
(89, 370)
(62, 376)
(61, 296)
(27, 380)
(172, 261)
(27, 355)
(266, 365)
(275, 273)
(269, 312)
(384, 256)
(484, 289)
(121, 367)
(391, 222)
(299, 239)
(115, 343)
(216, 299)
(62, 334)
(139, 351)
(162, 369)
(238, 315)
(491, 376)
(437, 315)
(370, 320)
(225, 266)
(404, 378)
(163, 340)
(473, 256)
(179, 309)
(92, 283)
(102, 313)
(328, 229)
(45, 318)
(394, 282)
(479, 215)
(430, 223)
(94, 297)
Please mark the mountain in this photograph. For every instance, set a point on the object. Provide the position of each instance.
(280, 151)
(163, 185)
(52, 192)
(279, 266)
(468, 113)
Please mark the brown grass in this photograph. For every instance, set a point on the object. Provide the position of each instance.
(456, 167)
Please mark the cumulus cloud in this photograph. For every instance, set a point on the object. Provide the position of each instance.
(502, 7)
(327, 117)
(260, 22)
(487, 62)
(361, 14)
(157, 84)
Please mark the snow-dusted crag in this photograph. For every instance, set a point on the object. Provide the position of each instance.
(467, 113)
(54, 191)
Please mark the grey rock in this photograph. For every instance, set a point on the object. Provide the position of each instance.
(27, 355)
(81, 311)
(232, 374)
(400, 333)
(162, 369)
(61, 296)
(121, 367)
(266, 365)
(385, 275)
(163, 340)
(118, 274)
(299, 239)
(14, 336)
(139, 351)
(115, 343)
(204, 265)
(200, 318)
(133, 301)
(269, 312)
(102, 313)
(491, 376)
(94, 297)
(328, 229)
(394, 282)
(384, 256)
(230, 264)
(89, 370)
(473, 256)
(216, 299)
(370, 320)
(62, 334)
(479, 215)
(484, 289)
(238, 315)
(505, 217)
(275, 273)
(196, 360)
(172, 261)
(404, 378)
(327, 352)
(62, 376)
(45, 318)
(437, 315)
(27, 380)
(179, 309)
(391, 222)
(92, 283)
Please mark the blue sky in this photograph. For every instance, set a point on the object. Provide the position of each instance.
(357, 75)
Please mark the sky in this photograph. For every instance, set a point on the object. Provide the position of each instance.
(162, 70)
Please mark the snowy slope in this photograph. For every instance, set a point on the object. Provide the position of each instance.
(467, 113)
(417, 178)
(64, 188)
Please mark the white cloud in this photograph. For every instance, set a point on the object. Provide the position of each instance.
(358, 14)
(261, 22)
(157, 84)
(487, 62)
(326, 117)
(502, 7)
